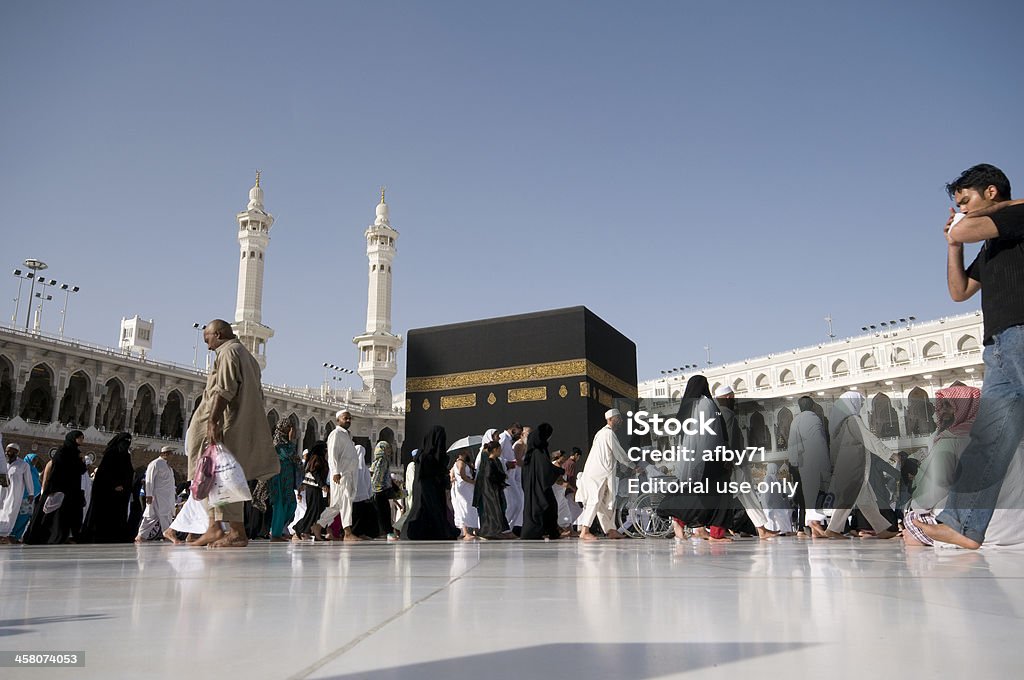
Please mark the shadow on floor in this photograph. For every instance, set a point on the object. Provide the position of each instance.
(638, 661)
(11, 627)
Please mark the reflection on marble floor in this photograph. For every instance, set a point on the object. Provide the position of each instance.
(636, 609)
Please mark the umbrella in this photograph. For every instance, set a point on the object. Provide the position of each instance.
(466, 442)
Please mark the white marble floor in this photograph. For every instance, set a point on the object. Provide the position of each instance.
(617, 609)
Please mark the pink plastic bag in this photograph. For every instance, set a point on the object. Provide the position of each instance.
(202, 480)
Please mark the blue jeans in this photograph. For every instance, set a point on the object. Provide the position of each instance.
(995, 436)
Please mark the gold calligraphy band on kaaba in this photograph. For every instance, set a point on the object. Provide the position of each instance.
(458, 401)
(520, 374)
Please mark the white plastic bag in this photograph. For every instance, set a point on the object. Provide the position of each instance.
(229, 485)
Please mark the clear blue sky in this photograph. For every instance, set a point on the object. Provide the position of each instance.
(694, 172)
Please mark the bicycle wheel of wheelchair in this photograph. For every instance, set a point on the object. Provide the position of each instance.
(651, 525)
(624, 511)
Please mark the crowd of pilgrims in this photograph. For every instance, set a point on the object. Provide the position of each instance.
(513, 486)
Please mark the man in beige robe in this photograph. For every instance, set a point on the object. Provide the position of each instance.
(232, 413)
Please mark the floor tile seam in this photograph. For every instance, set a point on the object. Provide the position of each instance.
(323, 661)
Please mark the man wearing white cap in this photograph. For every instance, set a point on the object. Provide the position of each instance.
(343, 461)
(597, 484)
(19, 484)
(726, 399)
(156, 519)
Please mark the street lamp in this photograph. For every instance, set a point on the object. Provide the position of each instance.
(37, 326)
(22, 277)
(333, 367)
(36, 266)
(68, 290)
(195, 348)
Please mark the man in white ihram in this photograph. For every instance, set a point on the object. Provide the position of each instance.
(597, 484)
(343, 461)
(156, 519)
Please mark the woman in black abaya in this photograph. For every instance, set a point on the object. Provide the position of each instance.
(57, 516)
(107, 520)
(428, 517)
(540, 509)
(489, 493)
(707, 508)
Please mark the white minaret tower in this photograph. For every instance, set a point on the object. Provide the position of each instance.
(253, 236)
(378, 346)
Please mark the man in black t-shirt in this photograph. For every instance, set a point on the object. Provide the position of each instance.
(983, 195)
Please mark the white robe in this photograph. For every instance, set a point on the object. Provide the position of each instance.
(86, 491)
(514, 497)
(342, 459)
(808, 451)
(462, 500)
(597, 484)
(19, 480)
(156, 518)
(364, 488)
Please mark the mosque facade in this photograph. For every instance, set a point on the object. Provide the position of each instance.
(49, 383)
(898, 368)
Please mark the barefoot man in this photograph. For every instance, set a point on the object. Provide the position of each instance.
(232, 413)
(343, 461)
(597, 484)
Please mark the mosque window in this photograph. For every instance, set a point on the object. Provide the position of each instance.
(786, 377)
(812, 372)
(252, 253)
(967, 343)
(932, 351)
(243, 254)
(261, 256)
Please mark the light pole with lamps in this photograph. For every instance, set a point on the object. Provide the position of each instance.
(333, 367)
(22, 277)
(36, 266)
(195, 348)
(68, 290)
(43, 297)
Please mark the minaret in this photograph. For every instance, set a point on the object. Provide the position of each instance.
(253, 236)
(378, 346)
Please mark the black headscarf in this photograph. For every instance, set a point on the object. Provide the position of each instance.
(115, 468)
(316, 458)
(68, 466)
(696, 387)
(432, 460)
(540, 516)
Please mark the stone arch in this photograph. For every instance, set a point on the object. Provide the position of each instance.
(111, 411)
(38, 397)
(757, 431)
(272, 419)
(144, 411)
(931, 350)
(787, 377)
(812, 372)
(195, 406)
(714, 387)
(329, 425)
(172, 420)
(783, 421)
(840, 367)
(967, 343)
(868, 361)
(676, 394)
(312, 428)
(883, 420)
(762, 382)
(740, 385)
(74, 406)
(901, 356)
(388, 435)
(6, 387)
(920, 412)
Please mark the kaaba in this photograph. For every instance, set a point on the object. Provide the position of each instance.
(563, 366)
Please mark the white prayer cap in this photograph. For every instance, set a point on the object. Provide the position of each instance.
(338, 414)
(14, 445)
(724, 391)
(168, 449)
(611, 413)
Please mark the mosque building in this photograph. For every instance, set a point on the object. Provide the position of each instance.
(49, 383)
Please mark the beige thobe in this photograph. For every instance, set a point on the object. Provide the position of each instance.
(235, 376)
